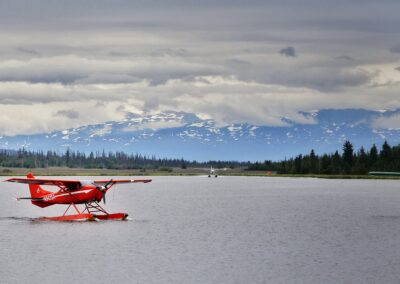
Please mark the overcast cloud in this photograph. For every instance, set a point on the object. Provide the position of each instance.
(68, 63)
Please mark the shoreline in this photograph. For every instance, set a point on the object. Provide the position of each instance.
(61, 171)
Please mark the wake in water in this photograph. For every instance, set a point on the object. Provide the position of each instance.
(29, 219)
(17, 219)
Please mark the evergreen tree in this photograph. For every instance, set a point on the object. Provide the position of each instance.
(347, 157)
(336, 163)
(385, 157)
(361, 165)
(325, 165)
(298, 169)
(313, 162)
(373, 158)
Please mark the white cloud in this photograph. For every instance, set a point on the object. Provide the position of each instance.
(391, 122)
(66, 64)
(70, 69)
(224, 98)
(39, 118)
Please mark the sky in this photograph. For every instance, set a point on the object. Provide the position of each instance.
(64, 64)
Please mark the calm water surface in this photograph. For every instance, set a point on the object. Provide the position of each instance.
(201, 230)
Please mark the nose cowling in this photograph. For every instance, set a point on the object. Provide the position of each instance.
(103, 189)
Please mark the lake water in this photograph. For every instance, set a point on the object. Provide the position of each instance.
(212, 230)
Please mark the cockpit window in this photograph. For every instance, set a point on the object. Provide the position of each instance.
(73, 186)
(86, 182)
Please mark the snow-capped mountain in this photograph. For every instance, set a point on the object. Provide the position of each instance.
(184, 135)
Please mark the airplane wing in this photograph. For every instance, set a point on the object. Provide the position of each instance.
(114, 181)
(70, 184)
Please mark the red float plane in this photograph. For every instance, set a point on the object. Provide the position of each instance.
(72, 192)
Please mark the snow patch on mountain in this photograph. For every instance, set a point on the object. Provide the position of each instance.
(101, 131)
(153, 125)
(179, 134)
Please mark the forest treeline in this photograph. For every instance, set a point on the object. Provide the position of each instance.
(101, 160)
(348, 161)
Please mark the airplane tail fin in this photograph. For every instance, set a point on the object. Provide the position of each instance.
(37, 192)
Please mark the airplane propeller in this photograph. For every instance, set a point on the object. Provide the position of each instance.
(104, 188)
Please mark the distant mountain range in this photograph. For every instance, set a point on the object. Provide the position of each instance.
(184, 135)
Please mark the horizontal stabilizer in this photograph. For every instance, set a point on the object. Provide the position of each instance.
(30, 198)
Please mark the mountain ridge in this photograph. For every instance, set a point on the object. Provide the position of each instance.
(185, 135)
